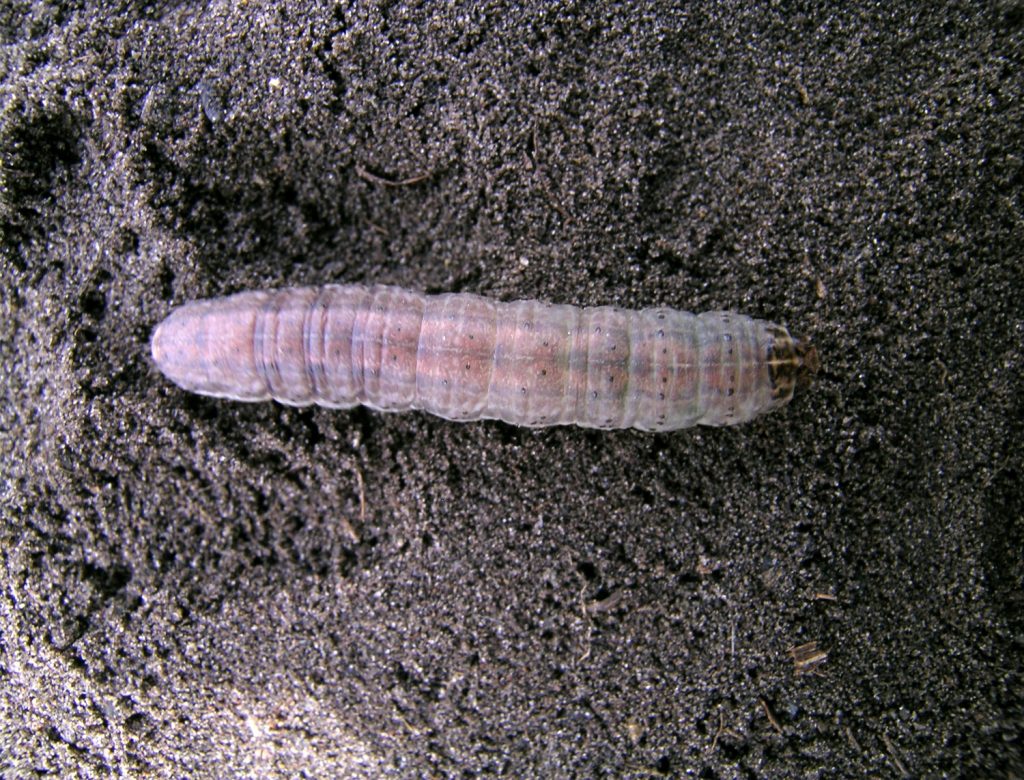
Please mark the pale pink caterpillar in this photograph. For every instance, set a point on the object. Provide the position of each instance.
(465, 357)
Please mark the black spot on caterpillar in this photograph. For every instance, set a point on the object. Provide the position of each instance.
(465, 357)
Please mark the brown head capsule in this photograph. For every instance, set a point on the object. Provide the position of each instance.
(465, 357)
(792, 363)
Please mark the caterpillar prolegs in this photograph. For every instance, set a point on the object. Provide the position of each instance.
(466, 357)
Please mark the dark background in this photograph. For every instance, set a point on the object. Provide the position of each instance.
(192, 587)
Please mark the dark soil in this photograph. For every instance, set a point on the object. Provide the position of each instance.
(200, 588)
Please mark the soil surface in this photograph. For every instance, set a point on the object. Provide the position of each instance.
(201, 588)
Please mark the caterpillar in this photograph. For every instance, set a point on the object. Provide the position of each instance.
(465, 357)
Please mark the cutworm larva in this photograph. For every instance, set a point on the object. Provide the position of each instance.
(465, 357)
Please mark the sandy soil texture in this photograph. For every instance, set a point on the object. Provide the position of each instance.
(199, 588)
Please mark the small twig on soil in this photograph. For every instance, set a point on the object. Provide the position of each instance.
(373, 178)
(771, 715)
(722, 730)
(894, 755)
(807, 658)
(605, 604)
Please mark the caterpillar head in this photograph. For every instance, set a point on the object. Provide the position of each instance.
(792, 363)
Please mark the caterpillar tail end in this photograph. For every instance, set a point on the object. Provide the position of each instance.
(206, 347)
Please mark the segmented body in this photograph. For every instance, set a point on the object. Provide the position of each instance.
(466, 357)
